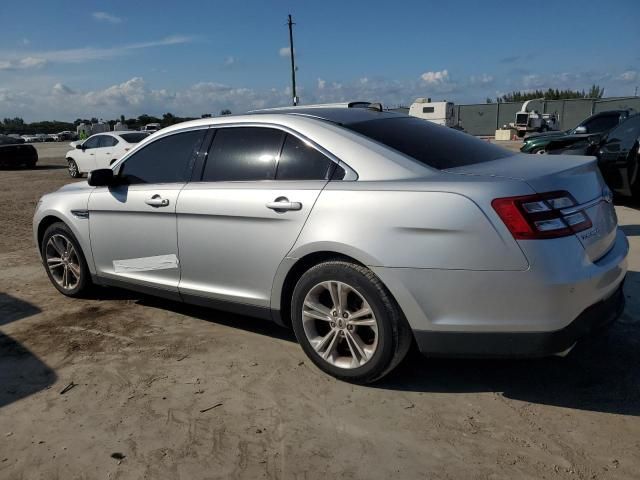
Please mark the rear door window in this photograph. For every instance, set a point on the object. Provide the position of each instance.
(602, 123)
(243, 154)
(108, 141)
(433, 145)
(301, 161)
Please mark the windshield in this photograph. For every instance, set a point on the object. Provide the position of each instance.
(433, 145)
(134, 137)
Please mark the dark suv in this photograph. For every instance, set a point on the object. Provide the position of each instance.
(596, 124)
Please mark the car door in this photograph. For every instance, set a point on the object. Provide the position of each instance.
(240, 220)
(615, 153)
(133, 223)
(107, 151)
(86, 156)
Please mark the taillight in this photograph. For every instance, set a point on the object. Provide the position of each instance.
(540, 215)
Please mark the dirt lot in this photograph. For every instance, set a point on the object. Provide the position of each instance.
(182, 392)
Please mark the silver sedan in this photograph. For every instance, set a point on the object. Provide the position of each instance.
(365, 231)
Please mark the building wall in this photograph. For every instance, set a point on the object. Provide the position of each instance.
(485, 118)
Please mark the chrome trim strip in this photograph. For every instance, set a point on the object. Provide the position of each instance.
(80, 213)
(584, 206)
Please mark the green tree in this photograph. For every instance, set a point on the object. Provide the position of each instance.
(225, 111)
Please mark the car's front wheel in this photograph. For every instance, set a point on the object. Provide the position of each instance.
(63, 259)
(348, 323)
(72, 167)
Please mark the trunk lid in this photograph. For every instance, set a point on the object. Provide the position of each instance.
(575, 174)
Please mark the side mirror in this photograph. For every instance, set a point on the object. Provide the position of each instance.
(102, 177)
(79, 146)
(580, 129)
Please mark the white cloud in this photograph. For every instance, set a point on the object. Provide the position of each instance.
(61, 89)
(629, 76)
(483, 79)
(435, 78)
(321, 84)
(9, 60)
(106, 17)
(284, 51)
(22, 64)
(230, 60)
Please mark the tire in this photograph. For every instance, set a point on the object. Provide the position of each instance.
(353, 352)
(72, 168)
(30, 164)
(59, 243)
(538, 151)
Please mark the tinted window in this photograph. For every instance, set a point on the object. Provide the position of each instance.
(134, 137)
(167, 160)
(602, 123)
(299, 161)
(92, 142)
(628, 130)
(433, 145)
(108, 141)
(243, 153)
(428, 109)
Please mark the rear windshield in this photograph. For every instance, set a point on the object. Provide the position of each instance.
(433, 145)
(134, 137)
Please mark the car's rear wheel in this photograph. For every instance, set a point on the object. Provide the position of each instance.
(63, 259)
(348, 323)
(539, 151)
(72, 167)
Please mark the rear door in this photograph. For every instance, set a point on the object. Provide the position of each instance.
(240, 220)
(107, 151)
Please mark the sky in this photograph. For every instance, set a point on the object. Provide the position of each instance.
(66, 60)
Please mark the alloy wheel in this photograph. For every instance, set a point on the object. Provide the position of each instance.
(63, 262)
(73, 169)
(340, 324)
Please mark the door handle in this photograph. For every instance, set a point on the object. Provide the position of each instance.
(157, 201)
(282, 204)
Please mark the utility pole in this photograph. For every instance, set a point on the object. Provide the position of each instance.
(293, 63)
(635, 94)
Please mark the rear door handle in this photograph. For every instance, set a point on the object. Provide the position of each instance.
(282, 204)
(157, 201)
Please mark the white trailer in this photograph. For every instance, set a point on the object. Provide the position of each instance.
(441, 113)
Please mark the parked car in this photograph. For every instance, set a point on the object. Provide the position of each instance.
(617, 154)
(64, 135)
(29, 138)
(363, 230)
(100, 151)
(151, 127)
(14, 153)
(596, 124)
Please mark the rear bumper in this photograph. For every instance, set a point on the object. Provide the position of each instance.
(523, 344)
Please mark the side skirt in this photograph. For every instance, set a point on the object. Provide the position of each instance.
(264, 313)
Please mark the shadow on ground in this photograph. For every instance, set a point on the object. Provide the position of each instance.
(631, 230)
(601, 374)
(21, 372)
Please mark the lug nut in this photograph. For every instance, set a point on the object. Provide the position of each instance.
(334, 313)
(333, 324)
(349, 327)
(345, 315)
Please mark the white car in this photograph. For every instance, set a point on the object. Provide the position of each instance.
(100, 151)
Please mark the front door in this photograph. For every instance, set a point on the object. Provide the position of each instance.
(133, 224)
(236, 225)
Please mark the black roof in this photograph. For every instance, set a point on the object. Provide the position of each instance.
(342, 116)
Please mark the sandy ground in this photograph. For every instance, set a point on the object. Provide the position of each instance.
(174, 391)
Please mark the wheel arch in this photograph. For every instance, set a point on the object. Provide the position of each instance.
(290, 271)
